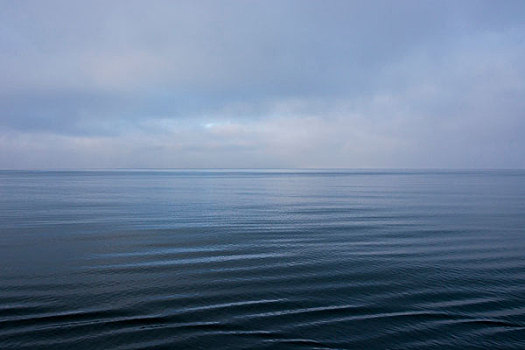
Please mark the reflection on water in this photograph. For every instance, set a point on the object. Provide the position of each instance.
(262, 259)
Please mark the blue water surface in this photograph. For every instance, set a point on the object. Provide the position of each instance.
(253, 259)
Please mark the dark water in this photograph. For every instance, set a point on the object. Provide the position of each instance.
(262, 259)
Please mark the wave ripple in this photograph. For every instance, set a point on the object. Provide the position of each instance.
(262, 259)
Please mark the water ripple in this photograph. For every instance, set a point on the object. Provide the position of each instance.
(248, 260)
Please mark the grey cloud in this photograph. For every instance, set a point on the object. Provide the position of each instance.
(262, 83)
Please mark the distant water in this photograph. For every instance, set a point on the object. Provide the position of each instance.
(276, 259)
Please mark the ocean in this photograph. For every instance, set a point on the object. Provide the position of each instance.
(262, 259)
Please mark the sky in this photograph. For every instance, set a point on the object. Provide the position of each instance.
(262, 84)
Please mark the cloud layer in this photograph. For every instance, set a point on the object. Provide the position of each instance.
(262, 84)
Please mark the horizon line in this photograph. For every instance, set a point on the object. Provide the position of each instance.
(242, 168)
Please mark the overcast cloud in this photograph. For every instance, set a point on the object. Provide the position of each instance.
(262, 84)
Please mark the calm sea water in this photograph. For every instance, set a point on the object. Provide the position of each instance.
(278, 259)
